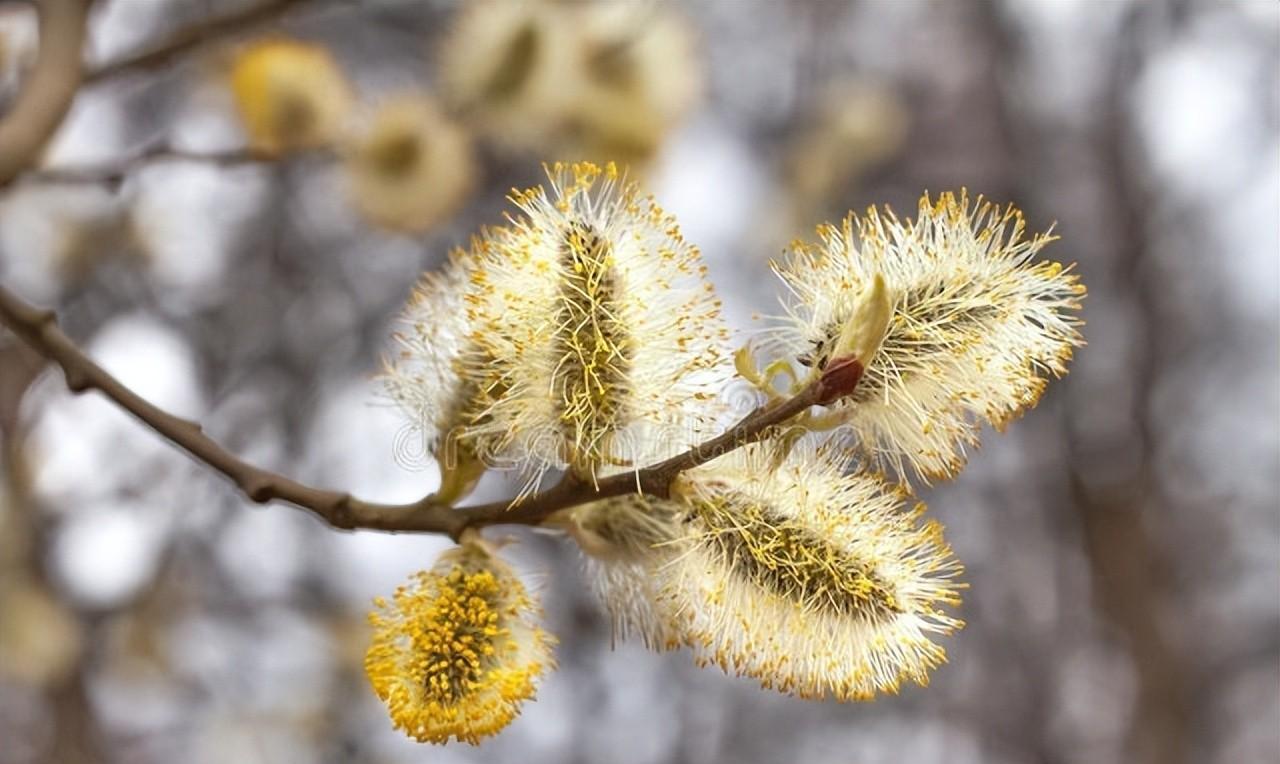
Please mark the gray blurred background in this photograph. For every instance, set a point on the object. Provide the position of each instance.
(1122, 541)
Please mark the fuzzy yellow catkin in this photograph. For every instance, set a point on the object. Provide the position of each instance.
(508, 68)
(603, 81)
(639, 74)
(290, 95)
(424, 378)
(626, 540)
(411, 168)
(598, 339)
(978, 325)
(457, 650)
(811, 579)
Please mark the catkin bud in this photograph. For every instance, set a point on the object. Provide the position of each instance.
(456, 651)
(428, 382)
(975, 327)
(810, 580)
(291, 95)
(861, 335)
(412, 167)
(626, 540)
(599, 340)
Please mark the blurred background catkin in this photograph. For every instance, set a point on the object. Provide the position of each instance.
(1122, 541)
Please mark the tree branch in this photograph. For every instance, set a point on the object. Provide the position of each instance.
(115, 171)
(47, 93)
(193, 37)
(39, 329)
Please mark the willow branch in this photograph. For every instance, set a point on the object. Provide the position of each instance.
(836, 382)
(116, 170)
(194, 37)
(39, 329)
(47, 93)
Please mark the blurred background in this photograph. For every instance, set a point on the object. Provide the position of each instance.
(244, 266)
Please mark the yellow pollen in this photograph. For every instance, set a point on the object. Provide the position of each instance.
(452, 655)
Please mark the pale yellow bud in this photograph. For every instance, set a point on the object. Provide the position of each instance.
(864, 331)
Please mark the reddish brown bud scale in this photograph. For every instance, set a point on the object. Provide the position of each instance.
(839, 379)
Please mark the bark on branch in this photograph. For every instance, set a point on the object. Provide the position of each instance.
(194, 36)
(47, 92)
(115, 171)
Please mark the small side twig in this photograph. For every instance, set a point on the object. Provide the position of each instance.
(115, 171)
(193, 37)
(39, 329)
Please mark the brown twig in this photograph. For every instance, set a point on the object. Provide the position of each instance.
(115, 171)
(39, 329)
(193, 37)
(47, 93)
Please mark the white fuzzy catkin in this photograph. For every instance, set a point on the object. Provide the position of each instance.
(424, 377)
(411, 167)
(598, 341)
(978, 325)
(811, 579)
